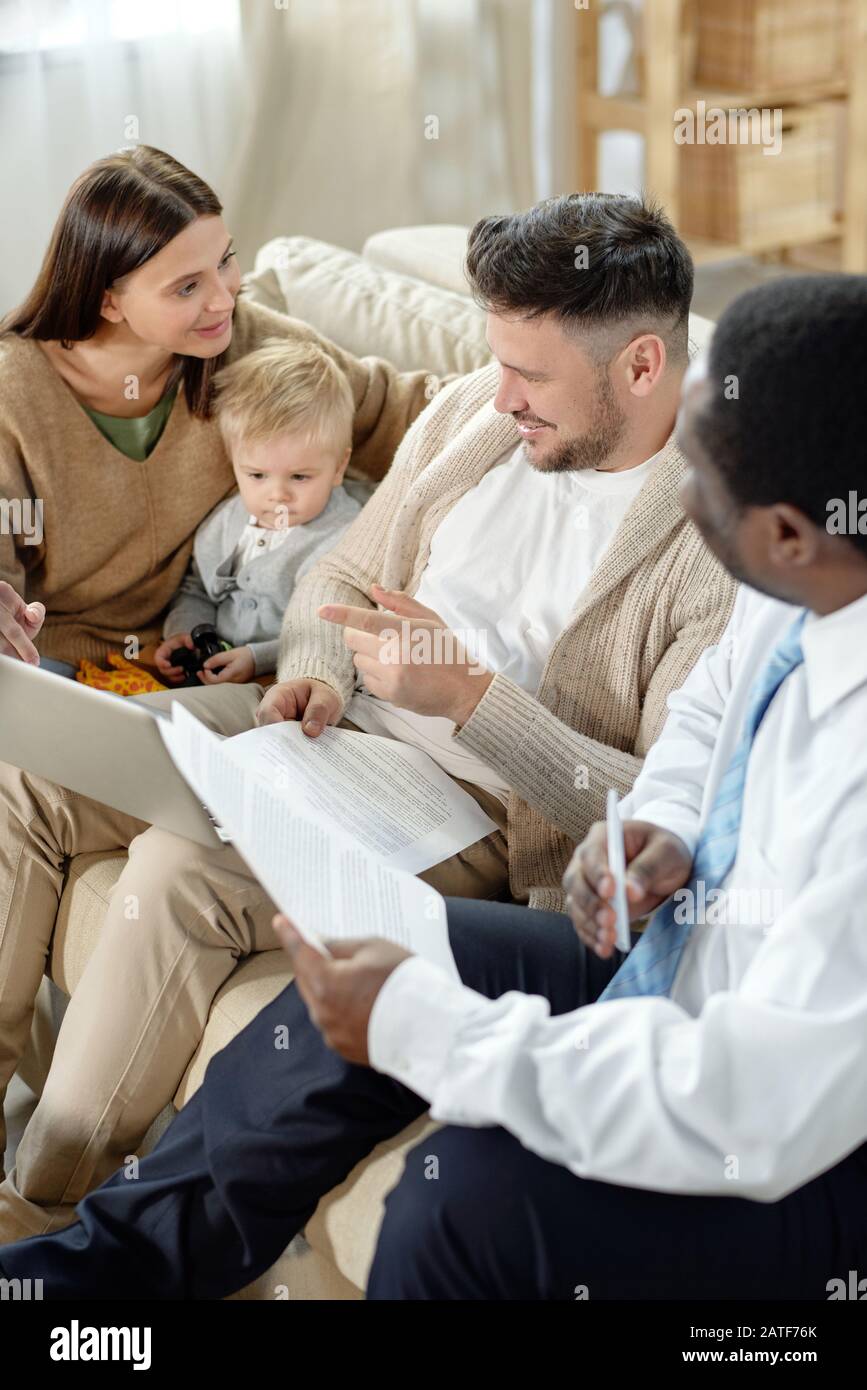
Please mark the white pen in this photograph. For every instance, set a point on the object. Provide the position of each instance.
(617, 865)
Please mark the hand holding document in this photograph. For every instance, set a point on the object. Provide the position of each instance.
(617, 866)
(324, 864)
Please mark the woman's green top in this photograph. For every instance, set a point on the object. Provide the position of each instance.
(136, 437)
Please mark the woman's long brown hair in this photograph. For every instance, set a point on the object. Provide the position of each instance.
(117, 214)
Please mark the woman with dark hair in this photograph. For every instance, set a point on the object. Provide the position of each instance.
(109, 458)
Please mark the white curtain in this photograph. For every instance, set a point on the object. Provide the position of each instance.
(329, 118)
(82, 78)
(555, 55)
(365, 114)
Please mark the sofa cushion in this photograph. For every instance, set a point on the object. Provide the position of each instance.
(700, 331)
(82, 909)
(345, 1226)
(368, 310)
(435, 254)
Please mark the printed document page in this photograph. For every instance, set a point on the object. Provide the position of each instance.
(326, 881)
(393, 799)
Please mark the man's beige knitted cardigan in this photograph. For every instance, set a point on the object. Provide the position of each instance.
(655, 601)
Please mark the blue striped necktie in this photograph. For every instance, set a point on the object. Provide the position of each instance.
(651, 966)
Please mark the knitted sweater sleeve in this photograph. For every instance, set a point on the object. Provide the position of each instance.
(565, 774)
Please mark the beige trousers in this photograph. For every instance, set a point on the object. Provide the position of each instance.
(139, 1010)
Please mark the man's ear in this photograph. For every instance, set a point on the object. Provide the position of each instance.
(110, 309)
(794, 540)
(644, 362)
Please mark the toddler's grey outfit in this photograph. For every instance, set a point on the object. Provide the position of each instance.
(245, 599)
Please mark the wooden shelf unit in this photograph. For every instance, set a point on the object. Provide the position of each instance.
(665, 75)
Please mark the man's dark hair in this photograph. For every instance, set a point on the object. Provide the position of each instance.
(606, 264)
(786, 414)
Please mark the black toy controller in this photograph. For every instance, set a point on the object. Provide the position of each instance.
(206, 643)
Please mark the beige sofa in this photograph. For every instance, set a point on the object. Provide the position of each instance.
(404, 299)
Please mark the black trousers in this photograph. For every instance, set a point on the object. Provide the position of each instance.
(273, 1128)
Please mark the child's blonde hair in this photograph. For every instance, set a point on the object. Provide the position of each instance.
(285, 388)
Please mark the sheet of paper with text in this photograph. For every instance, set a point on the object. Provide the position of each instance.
(329, 882)
(391, 798)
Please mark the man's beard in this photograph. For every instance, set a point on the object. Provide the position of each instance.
(595, 445)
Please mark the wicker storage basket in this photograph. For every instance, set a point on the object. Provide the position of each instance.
(770, 43)
(736, 193)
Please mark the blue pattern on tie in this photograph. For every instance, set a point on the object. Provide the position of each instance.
(651, 966)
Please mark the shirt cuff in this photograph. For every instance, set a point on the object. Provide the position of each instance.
(502, 716)
(264, 656)
(414, 1021)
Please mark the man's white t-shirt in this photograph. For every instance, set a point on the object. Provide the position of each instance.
(506, 568)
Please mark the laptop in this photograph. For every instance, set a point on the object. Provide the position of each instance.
(104, 746)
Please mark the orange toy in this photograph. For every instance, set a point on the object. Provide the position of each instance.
(125, 679)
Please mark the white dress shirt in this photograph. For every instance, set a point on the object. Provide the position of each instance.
(750, 1079)
(510, 561)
